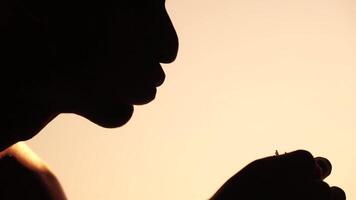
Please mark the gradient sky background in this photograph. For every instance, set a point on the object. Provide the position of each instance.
(252, 76)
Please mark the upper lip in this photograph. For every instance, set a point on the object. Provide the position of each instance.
(159, 76)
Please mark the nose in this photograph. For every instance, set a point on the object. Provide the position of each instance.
(167, 40)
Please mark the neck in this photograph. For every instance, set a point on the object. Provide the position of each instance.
(22, 121)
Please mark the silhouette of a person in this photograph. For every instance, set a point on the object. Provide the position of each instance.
(97, 59)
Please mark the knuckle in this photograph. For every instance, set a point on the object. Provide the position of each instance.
(337, 193)
(304, 154)
(324, 186)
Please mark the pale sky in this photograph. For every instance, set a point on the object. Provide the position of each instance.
(251, 77)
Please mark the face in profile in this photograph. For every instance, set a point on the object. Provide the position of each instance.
(95, 59)
(132, 39)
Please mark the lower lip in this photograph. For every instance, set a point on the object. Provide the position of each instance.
(141, 98)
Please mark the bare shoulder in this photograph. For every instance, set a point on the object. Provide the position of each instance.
(28, 175)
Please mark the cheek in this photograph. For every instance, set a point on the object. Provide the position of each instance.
(5, 13)
(133, 31)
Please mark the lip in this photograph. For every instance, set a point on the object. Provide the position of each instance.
(143, 88)
(159, 75)
(143, 96)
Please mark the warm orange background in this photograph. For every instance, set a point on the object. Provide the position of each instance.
(252, 76)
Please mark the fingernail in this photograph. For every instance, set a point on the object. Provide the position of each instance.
(324, 165)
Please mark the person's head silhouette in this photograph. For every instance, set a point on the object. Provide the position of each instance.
(97, 59)
(93, 58)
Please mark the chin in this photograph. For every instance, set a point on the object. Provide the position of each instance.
(110, 113)
(109, 116)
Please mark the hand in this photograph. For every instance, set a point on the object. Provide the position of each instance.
(292, 176)
(24, 176)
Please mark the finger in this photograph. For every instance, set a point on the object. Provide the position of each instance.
(313, 190)
(299, 165)
(337, 193)
(319, 190)
(324, 166)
